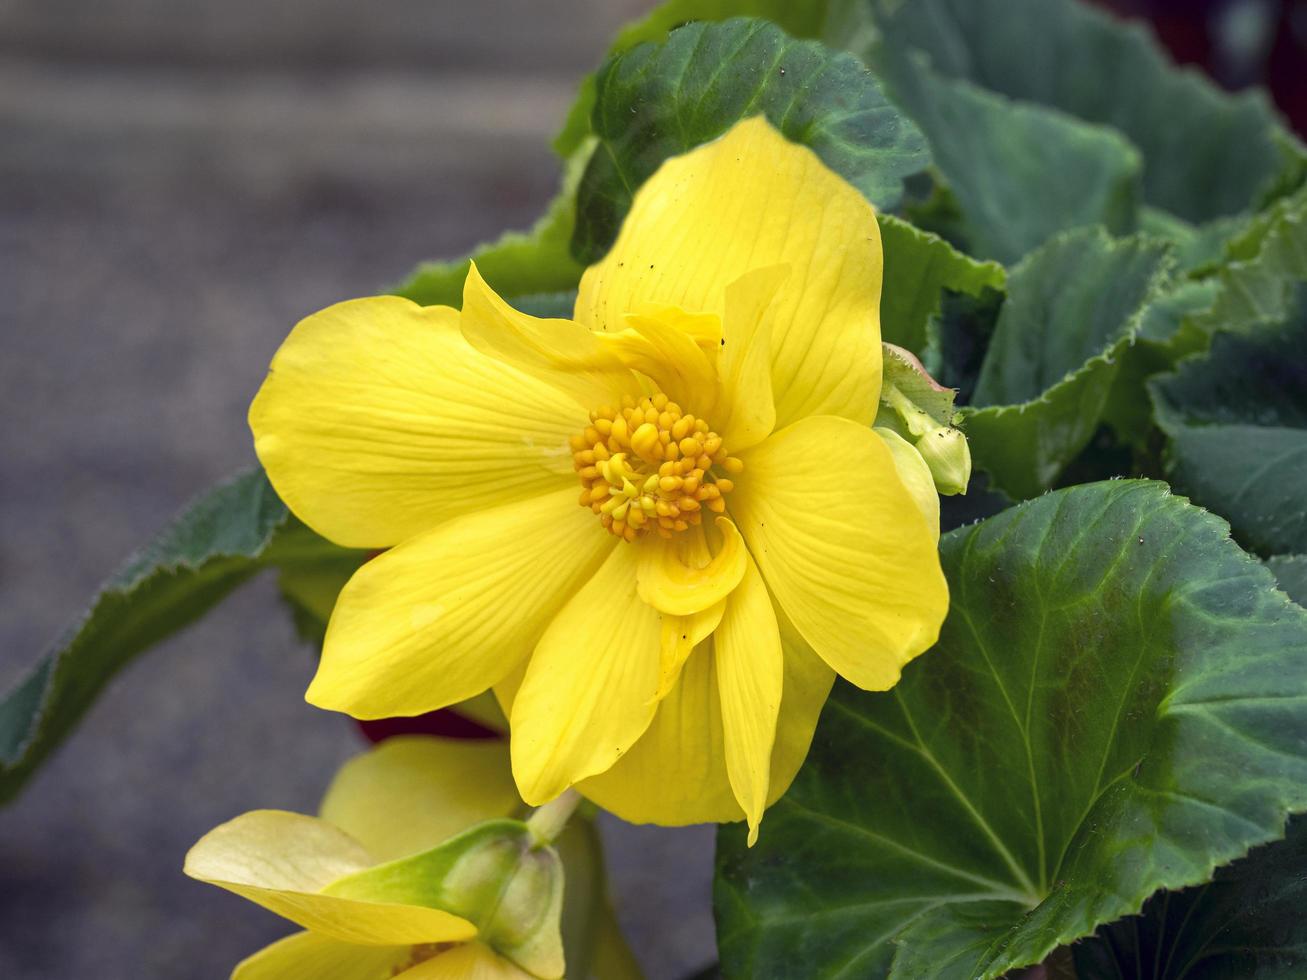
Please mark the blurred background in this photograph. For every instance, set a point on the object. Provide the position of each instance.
(180, 181)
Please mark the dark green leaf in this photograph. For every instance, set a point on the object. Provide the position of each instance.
(1291, 572)
(1248, 923)
(211, 548)
(833, 21)
(1073, 307)
(919, 266)
(1019, 172)
(1117, 704)
(1207, 153)
(656, 101)
(1236, 420)
(1266, 262)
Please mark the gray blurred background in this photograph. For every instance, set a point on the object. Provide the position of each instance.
(180, 181)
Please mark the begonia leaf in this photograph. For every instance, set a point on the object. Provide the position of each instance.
(1117, 704)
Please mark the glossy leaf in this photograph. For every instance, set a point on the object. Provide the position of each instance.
(1019, 172)
(218, 542)
(656, 101)
(1246, 923)
(1117, 704)
(1266, 263)
(827, 20)
(1072, 308)
(1291, 572)
(1206, 152)
(919, 266)
(1236, 423)
(212, 547)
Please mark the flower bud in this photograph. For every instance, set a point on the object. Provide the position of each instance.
(946, 452)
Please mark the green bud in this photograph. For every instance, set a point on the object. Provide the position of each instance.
(917, 407)
(946, 452)
(498, 875)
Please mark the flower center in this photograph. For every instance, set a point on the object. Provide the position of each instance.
(648, 467)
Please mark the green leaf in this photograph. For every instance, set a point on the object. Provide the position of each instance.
(214, 545)
(1117, 703)
(919, 266)
(1073, 307)
(535, 261)
(657, 101)
(1291, 572)
(827, 20)
(1020, 173)
(1206, 152)
(1236, 421)
(1247, 923)
(1265, 264)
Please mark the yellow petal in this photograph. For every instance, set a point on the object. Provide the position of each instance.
(681, 634)
(446, 615)
(808, 681)
(746, 411)
(308, 956)
(659, 346)
(470, 961)
(748, 200)
(843, 547)
(750, 672)
(412, 792)
(676, 773)
(378, 421)
(588, 690)
(678, 577)
(560, 352)
(915, 474)
(282, 860)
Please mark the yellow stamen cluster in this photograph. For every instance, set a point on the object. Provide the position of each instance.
(648, 467)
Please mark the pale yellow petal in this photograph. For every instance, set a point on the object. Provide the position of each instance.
(470, 961)
(413, 792)
(658, 346)
(681, 634)
(446, 615)
(378, 421)
(750, 673)
(282, 860)
(587, 694)
(308, 956)
(748, 200)
(746, 411)
(843, 547)
(807, 685)
(677, 575)
(915, 474)
(676, 773)
(561, 352)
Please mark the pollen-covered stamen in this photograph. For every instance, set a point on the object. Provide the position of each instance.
(648, 467)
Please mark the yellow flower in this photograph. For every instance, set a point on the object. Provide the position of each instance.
(743, 534)
(407, 839)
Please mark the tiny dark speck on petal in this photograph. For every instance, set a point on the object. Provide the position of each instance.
(651, 265)
(723, 341)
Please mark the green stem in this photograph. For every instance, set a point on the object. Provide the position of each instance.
(548, 821)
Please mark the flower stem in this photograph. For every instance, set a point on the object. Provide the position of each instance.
(548, 821)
